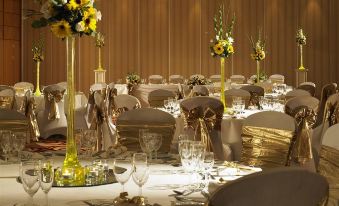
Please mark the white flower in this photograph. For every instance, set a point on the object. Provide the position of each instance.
(98, 15)
(230, 40)
(47, 10)
(91, 2)
(80, 27)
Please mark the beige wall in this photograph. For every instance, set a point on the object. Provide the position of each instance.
(172, 37)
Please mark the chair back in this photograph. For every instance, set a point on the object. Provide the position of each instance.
(239, 79)
(98, 86)
(268, 86)
(129, 123)
(63, 85)
(197, 75)
(215, 78)
(7, 97)
(22, 87)
(297, 93)
(295, 102)
(155, 79)
(326, 92)
(308, 83)
(156, 97)
(254, 89)
(200, 90)
(14, 121)
(126, 101)
(279, 187)
(308, 87)
(267, 139)
(277, 78)
(231, 93)
(176, 79)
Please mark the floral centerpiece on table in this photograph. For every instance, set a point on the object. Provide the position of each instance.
(301, 41)
(38, 57)
(68, 17)
(258, 52)
(197, 80)
(132, 80)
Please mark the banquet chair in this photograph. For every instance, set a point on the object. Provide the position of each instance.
(252, 79)
(156, 97)
(176, 79)
(268, 86)
(239, 79)
(256, 92)
(308, 83)
(295, 102)
(155, 79)
(203, 116)
(7, 97)
(278, 187)
(267, 139)
(98, 86)
(308, 87)
(128, 102)
(329, 162)
(231, 93)
(14, 121)
(215, 78)
(277, 78)
(156, 121)
(197, 75)
(22, 87)
(296, 93)
(52, 120)
(200, 90)
(326, 92)
(63, 85)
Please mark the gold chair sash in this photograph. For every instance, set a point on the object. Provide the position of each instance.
(329, 168)
(266, 147)
(53, 98)
(331, 113)
(6, 102)
(203, 121)
(29, 110)
(305, 119)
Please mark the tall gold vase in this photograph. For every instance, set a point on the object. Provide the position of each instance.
(258, 71)
(301, 58)
(71, 163)
(37, 88)
(222, 82)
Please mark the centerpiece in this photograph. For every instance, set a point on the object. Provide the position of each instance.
(132, 80)
(68, 19)
(38, 57)
(301, 41)
(258, 53)
(99, 72)
(222, 46)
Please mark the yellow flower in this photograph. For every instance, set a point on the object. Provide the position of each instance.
(223, 42)
(90, 12)
(89, 23)
(218, 49)
(230, 49)
(61, 29)
(75, 4)
(262, 55)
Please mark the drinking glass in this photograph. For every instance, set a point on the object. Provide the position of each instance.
(166, 105)
(208, 165)
(185, 153)
(46, 177)
(122, 176)
(198, 154)
(6, 143)
(140, 170)
(19, 142)
(157, 142)
(145, 142)
(30, 179)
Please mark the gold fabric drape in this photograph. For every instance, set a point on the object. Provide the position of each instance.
(266, 147)
(203, 120)
(329, 168)
(305, 119)
(6, 102)
(53, 98)
(331, 113)
(30, 107)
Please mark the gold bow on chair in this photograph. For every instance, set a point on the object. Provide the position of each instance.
(203, 121)
(53, 98)
(30, 107)
(331, 113)
(302, 149)
(112, 92)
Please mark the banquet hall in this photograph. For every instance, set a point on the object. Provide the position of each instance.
(169, 102)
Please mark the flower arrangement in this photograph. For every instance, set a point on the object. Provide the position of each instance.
(262, 77)
(131, 81)
(37, 50)
(222, 45)
(258, 49)
(301, 38)
(99, 40)
(68, 17)
(197, 80)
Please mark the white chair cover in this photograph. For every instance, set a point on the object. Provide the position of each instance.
(278, 187)
(239, 79)
(215, 78)
(296, 93)
(277, 78)
(176, 79)
(197, 75)
(126, 100)
(22, 86)
(308, 83)
(293, 103)
(57, 126)
(98, 86)
(155, 79)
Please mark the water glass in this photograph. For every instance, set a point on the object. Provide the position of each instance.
(140, 170)
(208, 165)
(30, 179)
(46, 177)
(19, 142)
(6, 143)
(122, 176)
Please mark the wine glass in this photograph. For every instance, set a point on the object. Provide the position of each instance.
(122, 176)
(142, 134)
(19, 142)
(208, 165)
(6, 143)
(46, 177)
(140, 170)
(30, 179)
(157, 142)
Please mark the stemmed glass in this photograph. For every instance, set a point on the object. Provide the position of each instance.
(6, 143)
(208, 165)
(46, 177)
(157, 142)
(30, 179)
(122, 176)
(19, 142)
(197, 155)
(140, 170)
(145, 143)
